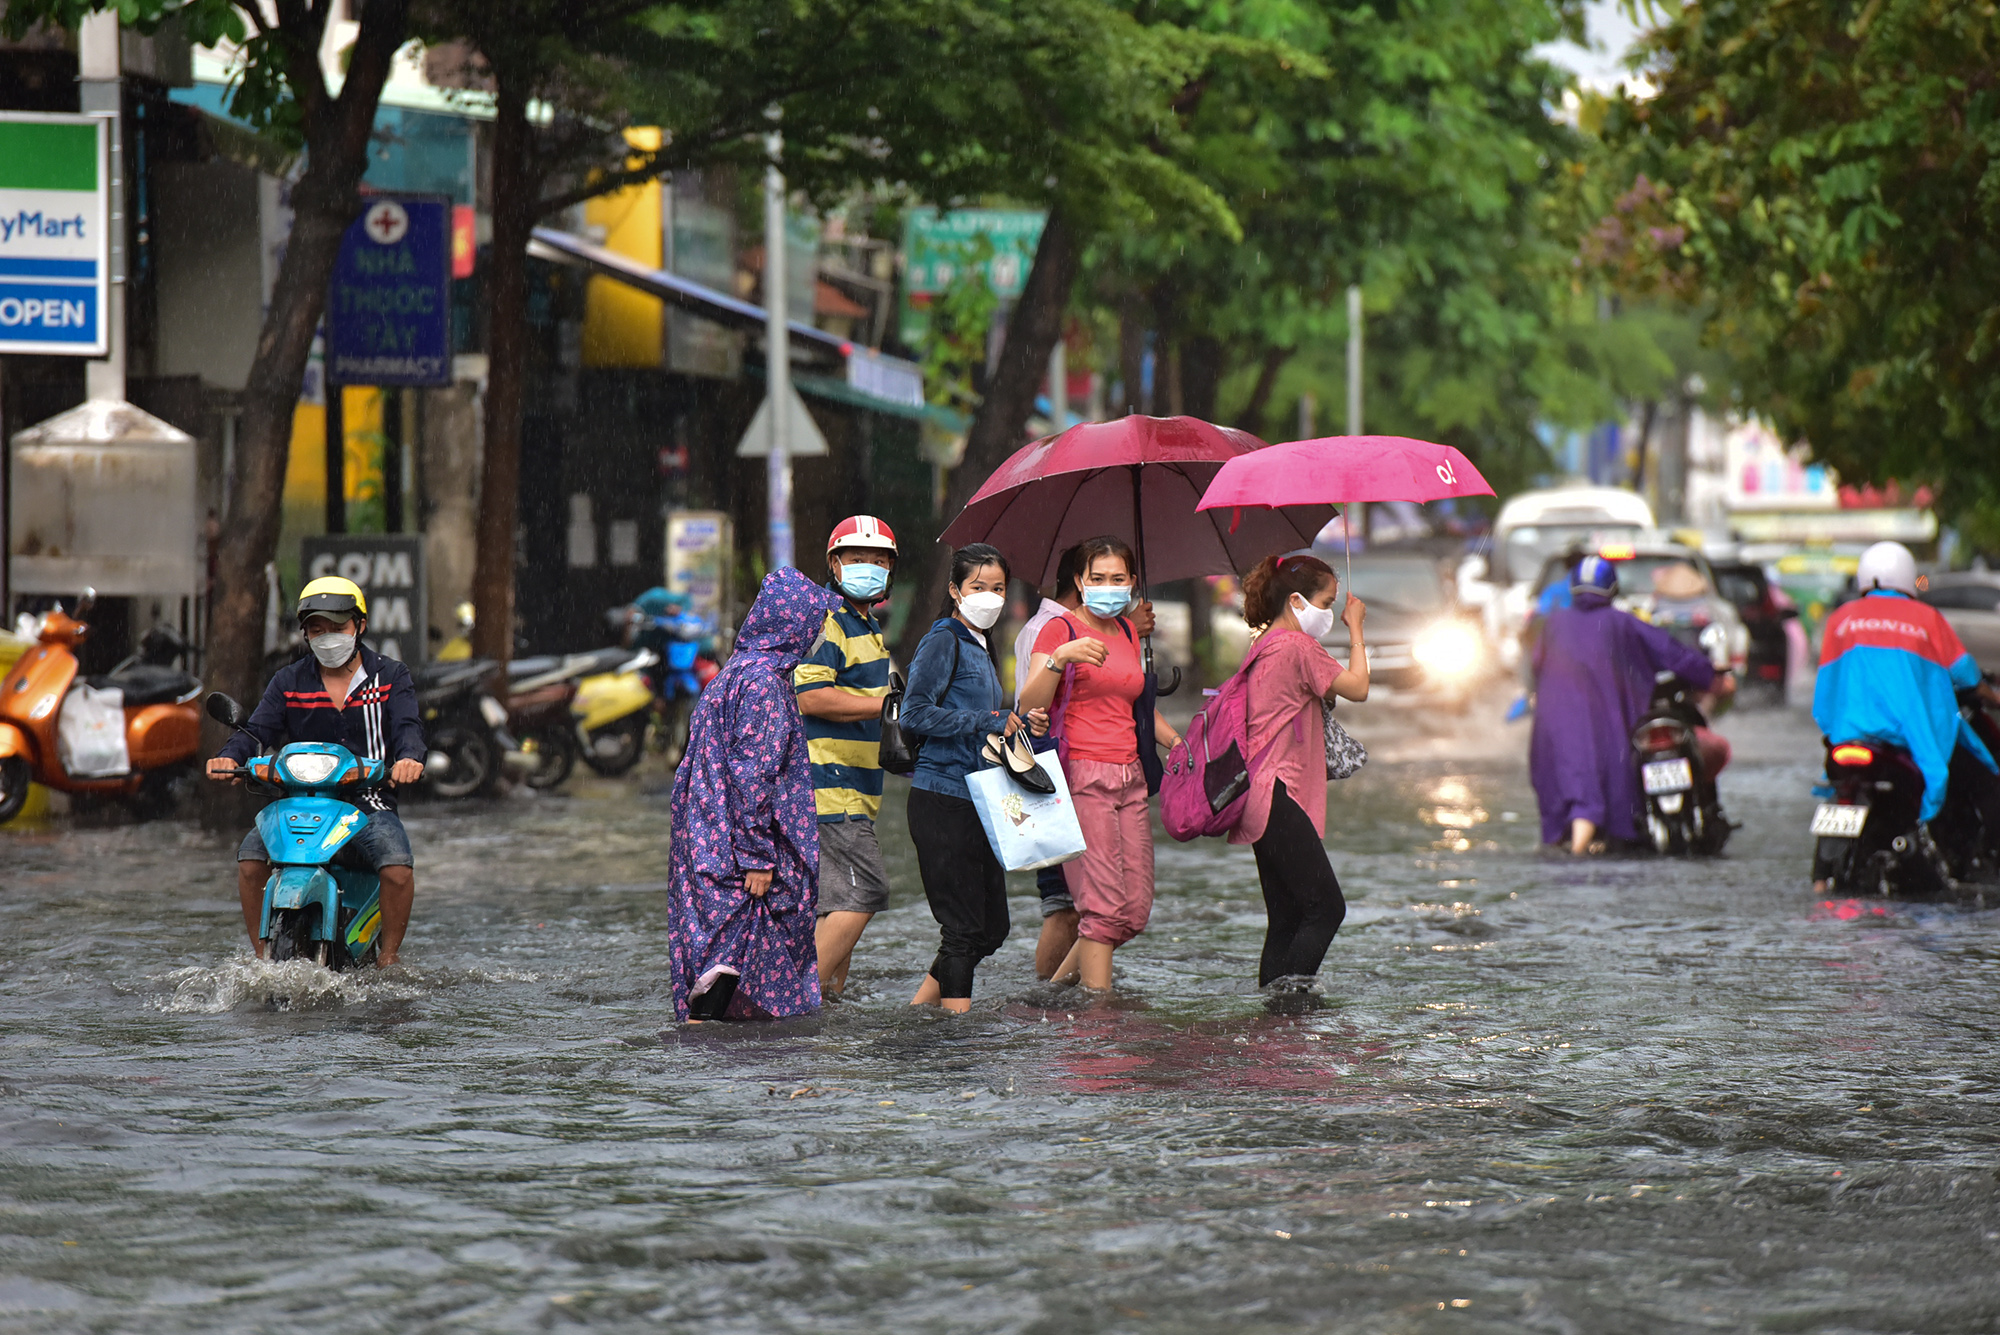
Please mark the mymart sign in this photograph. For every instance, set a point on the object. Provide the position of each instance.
(55, 237)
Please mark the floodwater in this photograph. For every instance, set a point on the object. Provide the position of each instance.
(1538, 1095)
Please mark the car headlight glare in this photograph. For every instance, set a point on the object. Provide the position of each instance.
(311, 769)
(1448, 649)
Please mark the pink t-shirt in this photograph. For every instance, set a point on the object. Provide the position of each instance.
(1288, 671)
(1097, 719)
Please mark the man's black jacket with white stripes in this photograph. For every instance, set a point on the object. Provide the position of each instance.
(379, 719)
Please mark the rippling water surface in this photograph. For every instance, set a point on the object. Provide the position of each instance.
(1538, 1095)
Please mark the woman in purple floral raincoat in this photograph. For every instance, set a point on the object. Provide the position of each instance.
(743, 872)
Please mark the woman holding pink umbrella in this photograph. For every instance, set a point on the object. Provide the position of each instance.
(1284, 822)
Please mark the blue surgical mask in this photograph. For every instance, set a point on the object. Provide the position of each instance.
(862, 582)
(1107, 600)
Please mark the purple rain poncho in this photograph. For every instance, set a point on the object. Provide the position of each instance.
(1594, 667)
(743, 801)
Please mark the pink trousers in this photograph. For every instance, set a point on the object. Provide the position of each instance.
(1112, 883)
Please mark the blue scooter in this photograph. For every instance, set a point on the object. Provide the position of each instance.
(313, 909)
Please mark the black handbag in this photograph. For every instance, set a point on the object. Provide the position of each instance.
(899, 750)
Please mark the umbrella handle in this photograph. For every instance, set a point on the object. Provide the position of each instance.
(1162, 692)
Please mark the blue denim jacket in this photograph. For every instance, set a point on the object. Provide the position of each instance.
(952, 710)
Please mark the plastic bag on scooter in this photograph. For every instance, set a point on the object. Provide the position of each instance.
(90, 733)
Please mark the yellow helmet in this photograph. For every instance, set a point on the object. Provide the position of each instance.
(334, 597)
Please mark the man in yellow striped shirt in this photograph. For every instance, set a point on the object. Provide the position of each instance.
(840, 688)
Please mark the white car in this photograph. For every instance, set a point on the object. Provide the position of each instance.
(1532, 527)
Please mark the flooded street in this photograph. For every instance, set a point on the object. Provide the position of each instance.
(1538, 1095)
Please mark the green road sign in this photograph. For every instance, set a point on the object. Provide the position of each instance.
(935, 247)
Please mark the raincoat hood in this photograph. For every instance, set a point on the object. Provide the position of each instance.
(786, 618)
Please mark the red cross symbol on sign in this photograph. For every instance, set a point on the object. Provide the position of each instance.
(387, 222)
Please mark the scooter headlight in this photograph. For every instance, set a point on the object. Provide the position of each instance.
(1449, 649)
(493, 712)
(311, 769)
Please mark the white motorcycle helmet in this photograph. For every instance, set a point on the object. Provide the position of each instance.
(1887, 565)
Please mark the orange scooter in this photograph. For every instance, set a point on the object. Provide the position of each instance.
(162, 721)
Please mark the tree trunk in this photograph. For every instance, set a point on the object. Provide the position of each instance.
(1639, 466)
(514, 200)
(1002, 419)
(1132, 356)
(1201, 375)
(1251, 419)
(324, 201)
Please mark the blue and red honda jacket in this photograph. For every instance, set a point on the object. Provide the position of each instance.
(379, 719)
(1890, 669)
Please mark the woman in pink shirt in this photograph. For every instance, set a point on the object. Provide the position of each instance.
(1290, 675)
(1086, 668)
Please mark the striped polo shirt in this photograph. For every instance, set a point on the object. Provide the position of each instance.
(846, 757)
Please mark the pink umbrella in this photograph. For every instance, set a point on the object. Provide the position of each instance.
(1138, 477)
(1336, 470)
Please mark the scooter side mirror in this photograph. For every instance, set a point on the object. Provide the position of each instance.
(86, 602)
(224, 710)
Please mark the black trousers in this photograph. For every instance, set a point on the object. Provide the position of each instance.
(964, 882)
(1301, 894)
(1972, 785)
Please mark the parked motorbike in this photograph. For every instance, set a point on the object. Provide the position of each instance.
(1868, 838)
(72, 737)
(614, 710)
(543, 710)
(1683, 813)
(313, 908)
(470, 745)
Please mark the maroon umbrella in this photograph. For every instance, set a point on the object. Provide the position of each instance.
(1140, 478)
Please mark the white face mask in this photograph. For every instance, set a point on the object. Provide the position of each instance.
(981, 609)
(1314, 621)
(332, 650)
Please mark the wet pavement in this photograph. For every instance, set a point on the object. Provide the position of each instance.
(1539, 1094)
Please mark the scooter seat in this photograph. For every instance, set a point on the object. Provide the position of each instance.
(517, 668)
(149, 684)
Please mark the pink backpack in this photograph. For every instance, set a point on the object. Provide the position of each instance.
(1208, 779)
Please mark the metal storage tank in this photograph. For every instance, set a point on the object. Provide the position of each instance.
(104, 496)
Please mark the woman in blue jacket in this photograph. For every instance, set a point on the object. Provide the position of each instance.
(954, 702)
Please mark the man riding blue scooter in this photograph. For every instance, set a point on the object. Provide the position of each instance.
(346, 694)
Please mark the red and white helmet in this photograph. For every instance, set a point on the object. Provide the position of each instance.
(861, 531)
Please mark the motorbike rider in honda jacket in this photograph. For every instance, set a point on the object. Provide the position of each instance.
(1890, 671)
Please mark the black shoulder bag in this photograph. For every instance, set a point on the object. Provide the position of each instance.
(899, 749)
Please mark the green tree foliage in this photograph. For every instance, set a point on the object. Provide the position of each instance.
(1412, 150)
(1826, 173)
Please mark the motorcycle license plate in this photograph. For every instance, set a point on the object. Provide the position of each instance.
(1833, 821)
(1668, 776)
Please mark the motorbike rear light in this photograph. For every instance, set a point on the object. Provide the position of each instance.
(1661, 737)
(1850, 753)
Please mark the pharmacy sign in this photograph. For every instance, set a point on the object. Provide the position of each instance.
(55, 234)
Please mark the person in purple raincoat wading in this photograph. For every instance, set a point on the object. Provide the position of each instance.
(1594, 667)
(743, 871)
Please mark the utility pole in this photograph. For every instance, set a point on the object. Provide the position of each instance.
(777, 360)
(1354, 376)
(101, 91)
(1059, 386)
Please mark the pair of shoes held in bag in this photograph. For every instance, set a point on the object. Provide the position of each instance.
(1016, 755)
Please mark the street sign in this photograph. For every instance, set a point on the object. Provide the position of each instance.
(388, 309)
(55, 233)
(803, 441)
(934, 247)
(389, 567)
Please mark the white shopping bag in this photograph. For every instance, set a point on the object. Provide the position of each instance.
(1028, 831)
(90, 733)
